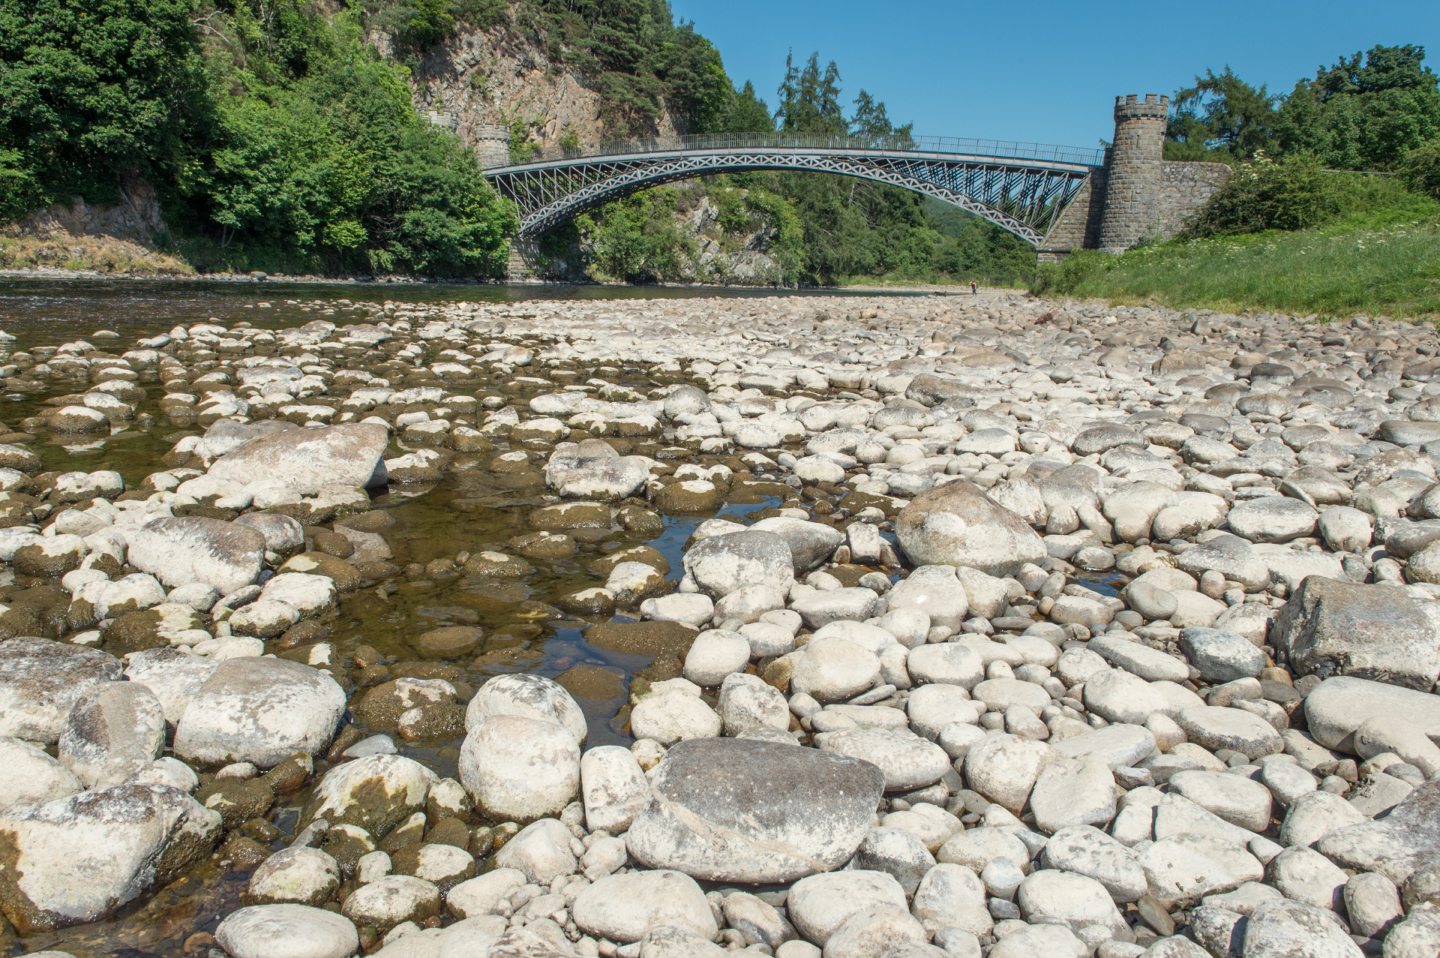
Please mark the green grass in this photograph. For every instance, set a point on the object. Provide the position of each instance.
(1381, 255)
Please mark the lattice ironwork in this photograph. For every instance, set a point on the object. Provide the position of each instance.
(1024, 195)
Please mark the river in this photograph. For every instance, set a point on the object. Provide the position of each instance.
(471, 510)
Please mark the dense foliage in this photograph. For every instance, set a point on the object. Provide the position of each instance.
(274, 135)
(87, 88)
(326, 158)
(1365, 112)
(1376, 112)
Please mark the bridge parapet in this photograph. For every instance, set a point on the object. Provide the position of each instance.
(958, 146)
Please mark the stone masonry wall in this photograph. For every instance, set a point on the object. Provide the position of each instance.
(1185, 188)
(1079, 224)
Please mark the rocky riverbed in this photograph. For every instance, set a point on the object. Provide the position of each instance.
(863, 628)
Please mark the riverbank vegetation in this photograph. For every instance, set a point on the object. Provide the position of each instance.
(1364, 244)
(273, 135)
(276, 136)
(1294, 229)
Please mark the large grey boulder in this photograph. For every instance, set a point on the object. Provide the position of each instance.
(78, 859)
(754, 812)
(182, 550)
(957, 524)
(721, 564)
(1371, 631)
(40, 682)
(308, 460)
(259, 710)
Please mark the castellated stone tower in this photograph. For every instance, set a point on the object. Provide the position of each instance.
(1135, 172)
(492, 146)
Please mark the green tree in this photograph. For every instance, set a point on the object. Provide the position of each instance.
(1220, 117)
(696, 87)
(93, 88)
(1366, 111)
(810, 98)
(335, 168)
(748, 113)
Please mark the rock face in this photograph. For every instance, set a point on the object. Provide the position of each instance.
(40, 682)
(957, 524)
(751, 811)
(259, 710)
(179, 551)
(1368, 631)
(77, 859)
(308, 460)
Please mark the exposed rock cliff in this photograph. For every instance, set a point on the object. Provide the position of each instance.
(500, 77)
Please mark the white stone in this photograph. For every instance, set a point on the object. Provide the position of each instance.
(626, 907)
(520, 768)
(287, 931)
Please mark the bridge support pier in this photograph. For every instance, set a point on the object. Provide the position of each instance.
(523, 266)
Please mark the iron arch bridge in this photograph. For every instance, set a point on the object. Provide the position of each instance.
(1020, 187)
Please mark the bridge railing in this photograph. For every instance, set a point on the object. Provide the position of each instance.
(1008, 149)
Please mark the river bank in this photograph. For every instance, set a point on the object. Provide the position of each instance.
(616, 626)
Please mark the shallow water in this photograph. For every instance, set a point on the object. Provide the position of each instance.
(470, 510)
(39, 311)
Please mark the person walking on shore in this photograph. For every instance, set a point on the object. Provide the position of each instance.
(974, 288)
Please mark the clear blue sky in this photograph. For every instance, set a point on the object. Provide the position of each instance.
(1043, 71)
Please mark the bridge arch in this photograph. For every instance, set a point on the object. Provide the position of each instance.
(1018, 187)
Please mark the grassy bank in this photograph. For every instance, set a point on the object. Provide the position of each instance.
(1381, 256)
(106, 255)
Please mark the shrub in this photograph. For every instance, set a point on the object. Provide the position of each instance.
(1420, 169)
(1288, 194)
